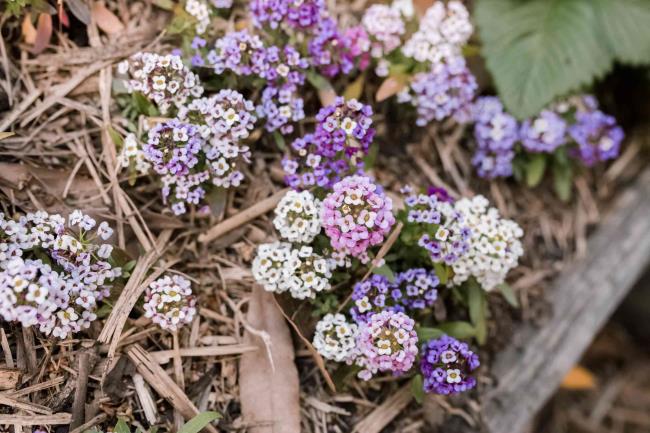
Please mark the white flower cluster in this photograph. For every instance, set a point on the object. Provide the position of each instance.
(495, 245)
(51, 276)
(169, 303)
(335, 337)
(164, 79)
(444, 29)
(385, 26)
(298, 216)
(132, 155)
(200, 11)
(281, 268)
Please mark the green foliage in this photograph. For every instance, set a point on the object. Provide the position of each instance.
(538, 50)
(417, 388)
(324, 304)
(196, 424)
(535, 169)
(476, 298)
(509, 294)
(385, 271)
(460, 330)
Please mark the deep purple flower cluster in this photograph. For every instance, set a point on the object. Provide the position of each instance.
(299, 14)
(342, 138)
(597, 135)
(545, 133)
(447, 90)
(414, 289)
(334, 52)
(496, 133)
(446, 365)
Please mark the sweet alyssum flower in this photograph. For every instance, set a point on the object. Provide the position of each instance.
(335, 337)
(162, 78)
(387, 342)
(60, 297)
(132, 155)
(357, 215)
(445, 233)
(496, 133)
(298, 14)
(240, 52)
(495, 245)
(334, 52)
(201, 12)
(443, 30)
(446, 90)
(446, 365)
(370, 296)
(169, 303)
(544, 133)
(385, 27)
(300, 271)
(342, 138)
(297, 216)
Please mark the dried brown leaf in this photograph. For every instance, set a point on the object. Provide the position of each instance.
(269, 388)
(106, 20)
(391, 86)
(79, 10)
(28, 29)
(421, 6)
(43, 33)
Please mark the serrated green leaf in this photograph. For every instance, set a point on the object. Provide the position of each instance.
(460, 330)
(385, 271)
(417, 388)
(537, 50)
(425, 333)
(122, 427)
(508, 294)
(477, 303)
(196, 424)
(535, 169)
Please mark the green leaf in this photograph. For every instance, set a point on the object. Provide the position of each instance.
(196, 424)
(417, 388)
(535, 169)
(385, 271)
(318, 81)
(122, 427)
(167, 5)
(441, 272)
(425, 333)
(508, 294)
(477, 310)
(460, 330)
(563, 180)
(355, 88)
(538, 50)
(116, 137)
(279, 140)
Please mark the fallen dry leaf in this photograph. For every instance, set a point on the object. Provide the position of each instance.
(391, 86)
(43, 33)
(269, 392)
(106, 20)
(579, 378)
(421, 6)
(28, 29)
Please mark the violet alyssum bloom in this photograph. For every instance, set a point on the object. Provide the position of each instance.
(415, 289)
(298, 14)
(337, 53)
(370, 296)
(496, 133)
(173, 146)
(240, 52)
(446, 365)
(544, 133)
(447, 90)
(597, 135)
(169, 303)
(387, 342)
(440, 193)
(357, 215)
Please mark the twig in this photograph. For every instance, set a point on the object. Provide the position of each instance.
(386, 412)
(79, 402)
(243, 217)
(22, 420)
(163, 356)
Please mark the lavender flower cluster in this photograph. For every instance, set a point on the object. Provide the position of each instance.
(169, 303)
(53, 274)
(446, 366)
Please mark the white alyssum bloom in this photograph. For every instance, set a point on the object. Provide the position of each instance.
(335, 337)
(443, 30)
(133, 156)
(280, 268)
(201, 12)
(298, 216)
(169, 303)
(494, 246)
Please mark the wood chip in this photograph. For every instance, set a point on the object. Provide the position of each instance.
(381, 416)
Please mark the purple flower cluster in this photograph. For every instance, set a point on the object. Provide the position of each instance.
(414, 289)
(334, 52)
(387, 342)
(444, 233)
(342, 137)
(446, 365)
(299, 14)
(447, 90)
(240, 52)
(356, 216)
(545, 133)
(496, 133)
(597, 136)
(168, 302)
(53, 274)
(173, 147)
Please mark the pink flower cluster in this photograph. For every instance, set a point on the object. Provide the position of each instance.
(387, 342)
(357, 215)
(168, 302)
